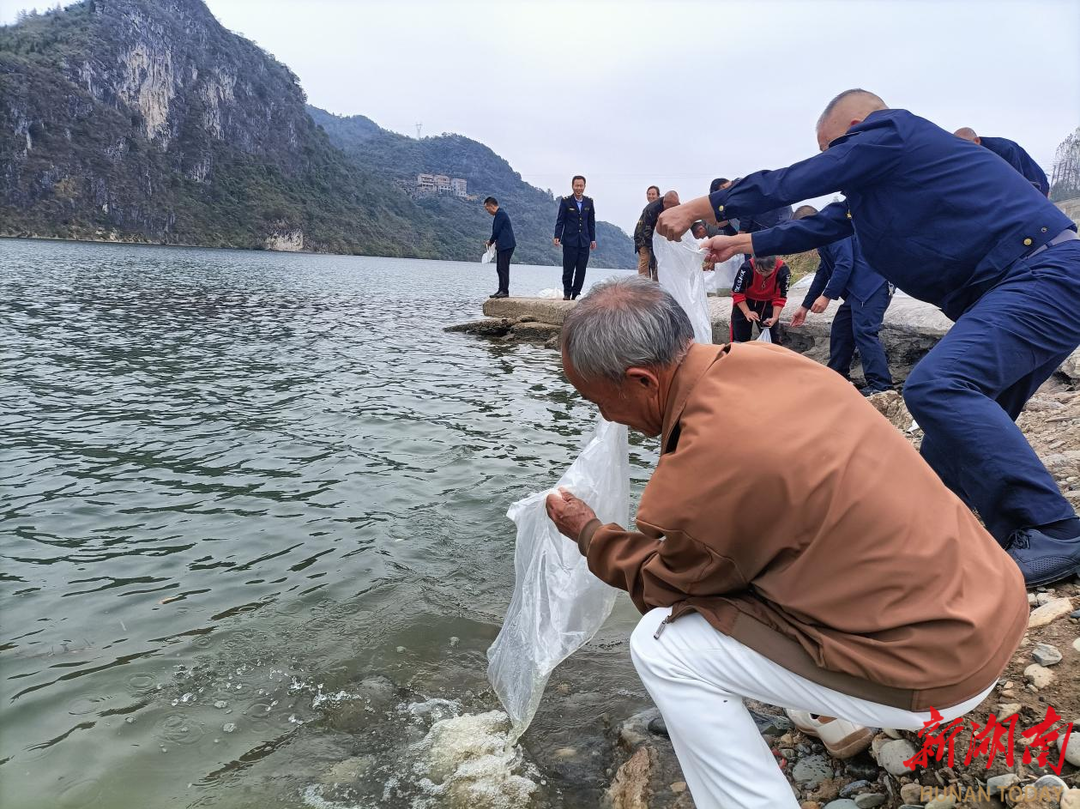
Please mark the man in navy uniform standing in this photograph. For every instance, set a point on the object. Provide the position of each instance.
(844, 273)
(952, 224)
(1012, 153)
(502, 236)
(575, 230)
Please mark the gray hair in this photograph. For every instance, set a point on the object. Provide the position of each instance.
(625, 323)
(832, 105)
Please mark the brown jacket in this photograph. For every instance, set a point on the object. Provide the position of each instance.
(797, 520)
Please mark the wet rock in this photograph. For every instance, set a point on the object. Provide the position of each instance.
(1041, 616)
(221, 704)
(488, 327)
(1038, 676)
(538, 332)
(1046, 655)
(853, 788)
(893, 755)
(811, 771)
(870, 800)
(635, 730)
(1001, 783)
(349, 771)
(658, 727)
(565, 753)
(229, 727)
(911, 793)
(630, 789)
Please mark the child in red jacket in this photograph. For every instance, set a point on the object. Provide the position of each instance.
(758, 295)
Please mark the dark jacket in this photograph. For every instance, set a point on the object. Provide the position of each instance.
(763, 221)
(1016, 156)
(573, 228)
(502, 232)
(843, 273)
(812, 552)
(941, 217)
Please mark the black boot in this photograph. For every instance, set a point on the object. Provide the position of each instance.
(1044, 559)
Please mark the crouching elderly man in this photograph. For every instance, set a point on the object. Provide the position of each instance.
(791, 547)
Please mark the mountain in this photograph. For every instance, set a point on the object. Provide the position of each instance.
(400, 159)
(146, 120)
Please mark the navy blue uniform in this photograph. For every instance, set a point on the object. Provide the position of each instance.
(949, 222)
(502, 236)
(1016, 156)
(844, 273)
(575, 227)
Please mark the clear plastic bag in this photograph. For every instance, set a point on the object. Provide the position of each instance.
(558, 604)
(550, 293)
(765, 334)
(678, 267)
(489, 254)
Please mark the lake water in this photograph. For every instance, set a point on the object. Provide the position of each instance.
(272, 484)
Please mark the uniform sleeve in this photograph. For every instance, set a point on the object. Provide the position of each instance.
(829, 225)
(592, 222)
(783, 279)
(843, 263)
(817, 286)
(858, 159)
(560, 220)
(496, 227)
(741, 282)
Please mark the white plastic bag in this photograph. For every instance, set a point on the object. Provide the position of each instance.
(724, 272)
(765, 335)
(550, 292)
(678, 266)
(489, 254)
(558, 604)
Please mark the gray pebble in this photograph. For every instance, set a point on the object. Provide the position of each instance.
(853, 788)
(843, 803)
(229, 727)
(811, 771)
(1001, 783)
(870, 800)
(1046, 655)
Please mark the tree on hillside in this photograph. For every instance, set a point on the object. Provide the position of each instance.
(1065, 177)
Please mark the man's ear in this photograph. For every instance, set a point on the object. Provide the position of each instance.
(641, 376)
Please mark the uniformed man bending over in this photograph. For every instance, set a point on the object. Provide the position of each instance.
(950, 223)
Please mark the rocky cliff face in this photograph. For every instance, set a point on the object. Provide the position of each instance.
(146, 120)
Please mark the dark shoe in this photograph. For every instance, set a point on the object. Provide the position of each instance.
(501, 295)
(566, 297)
(1042, 558)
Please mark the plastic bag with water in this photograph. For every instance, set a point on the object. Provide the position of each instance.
(489, 254)
(550, 292)
(765, 334)
(678, 265)
(558, 604)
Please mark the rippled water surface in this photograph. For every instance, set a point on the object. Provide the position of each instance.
(252, 520)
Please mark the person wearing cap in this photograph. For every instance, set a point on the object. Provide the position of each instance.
(844, 273)
(825, 569)
(950, 223)
(1012, 153)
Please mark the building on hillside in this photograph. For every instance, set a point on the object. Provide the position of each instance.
(459, 187)
(441, 184)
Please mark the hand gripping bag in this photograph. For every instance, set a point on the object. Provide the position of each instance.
(765, 335)
(489, 254)
(558, 604)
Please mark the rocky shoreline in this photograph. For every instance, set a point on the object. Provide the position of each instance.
(1044, 672)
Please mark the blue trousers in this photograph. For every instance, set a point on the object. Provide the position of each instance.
(967, 392)
(574, 262)
(856, 325)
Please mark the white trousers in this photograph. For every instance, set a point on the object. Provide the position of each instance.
(699, 677)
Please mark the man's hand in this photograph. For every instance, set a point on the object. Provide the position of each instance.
(569, 514)
(721, 248)
(555, 242)
(799, 317)
(592, 245)
(752, 316)
(820, 305)
(487, 244)
(674, 222)
(769, 322)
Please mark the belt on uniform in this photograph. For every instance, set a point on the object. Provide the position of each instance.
(1066, 235)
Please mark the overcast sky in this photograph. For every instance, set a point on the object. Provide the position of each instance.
(672, 93)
